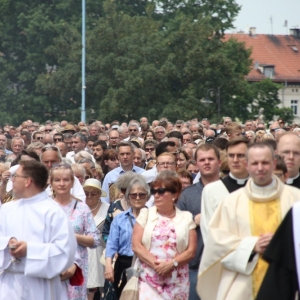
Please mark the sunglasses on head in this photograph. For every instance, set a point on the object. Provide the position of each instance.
(46, 148)
(159, 191)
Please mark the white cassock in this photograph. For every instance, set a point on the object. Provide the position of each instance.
(51, 247)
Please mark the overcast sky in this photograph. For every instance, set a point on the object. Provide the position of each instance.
(257, 13)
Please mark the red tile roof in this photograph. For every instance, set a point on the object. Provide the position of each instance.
(273, 50)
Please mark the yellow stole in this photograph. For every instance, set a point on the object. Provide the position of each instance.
(265, 218)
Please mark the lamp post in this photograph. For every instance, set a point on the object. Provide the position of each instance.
(83, 65)
(218, 99)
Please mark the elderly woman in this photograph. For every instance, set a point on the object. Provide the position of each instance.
(93, 192)
(119, 239)
(164, 239)
(119, 205)
(81, 219)
(79, 172)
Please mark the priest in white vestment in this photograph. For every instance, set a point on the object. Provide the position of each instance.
(232, 267)
(37, 243)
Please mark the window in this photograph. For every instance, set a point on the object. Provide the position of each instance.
(269, 72)
(294, 106)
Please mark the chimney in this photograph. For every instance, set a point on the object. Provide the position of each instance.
(252, 31)
(295, 32)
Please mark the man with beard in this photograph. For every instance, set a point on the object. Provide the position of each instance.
(98, 149)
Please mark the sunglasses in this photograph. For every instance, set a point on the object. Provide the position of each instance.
(57, 140)
(48, 130)
(132, 129)
(39, 138)
(149, 149)
(160, 191)
(140, 195)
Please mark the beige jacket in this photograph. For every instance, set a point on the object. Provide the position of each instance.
(183, 222)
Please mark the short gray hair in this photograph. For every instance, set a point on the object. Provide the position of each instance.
(140, 182)
(123, 180)
(125, 144)
(81, 136)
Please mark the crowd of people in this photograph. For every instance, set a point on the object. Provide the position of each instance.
(198, 206)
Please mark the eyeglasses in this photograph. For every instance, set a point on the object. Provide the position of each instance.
(166, 163)
(140, 195)
(159, 191)
(39, 138)
(132, 129)
(288, 153)
(149, 149)
(92, 195)
(57, 140)
(16, 175)
(279, 174)
(238, 155)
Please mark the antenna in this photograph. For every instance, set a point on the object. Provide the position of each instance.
(271, 20)
(286, 26)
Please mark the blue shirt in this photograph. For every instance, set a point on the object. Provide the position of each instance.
(8, 151)
(119, 238)
(112, 176)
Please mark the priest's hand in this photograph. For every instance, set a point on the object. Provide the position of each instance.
(19, 248)
(263, 242)
(68, 274)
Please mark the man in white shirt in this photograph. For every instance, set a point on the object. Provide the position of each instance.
(79, 142)
(37, 242)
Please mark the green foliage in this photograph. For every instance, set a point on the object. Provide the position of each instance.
(143, 58)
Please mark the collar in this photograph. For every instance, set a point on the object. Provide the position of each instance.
(129, 212)
(38, 197)
(239, 180)
(133, 169)
(291, 180)
(264, 193)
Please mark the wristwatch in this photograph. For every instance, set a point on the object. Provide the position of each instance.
(175, 263)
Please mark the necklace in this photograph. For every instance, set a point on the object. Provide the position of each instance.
(170, 216)
(95, 207)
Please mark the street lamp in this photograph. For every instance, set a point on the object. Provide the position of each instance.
(218, 99)
(83, 114)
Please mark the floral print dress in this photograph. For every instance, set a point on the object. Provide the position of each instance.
(83, 223)
(163, 247)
